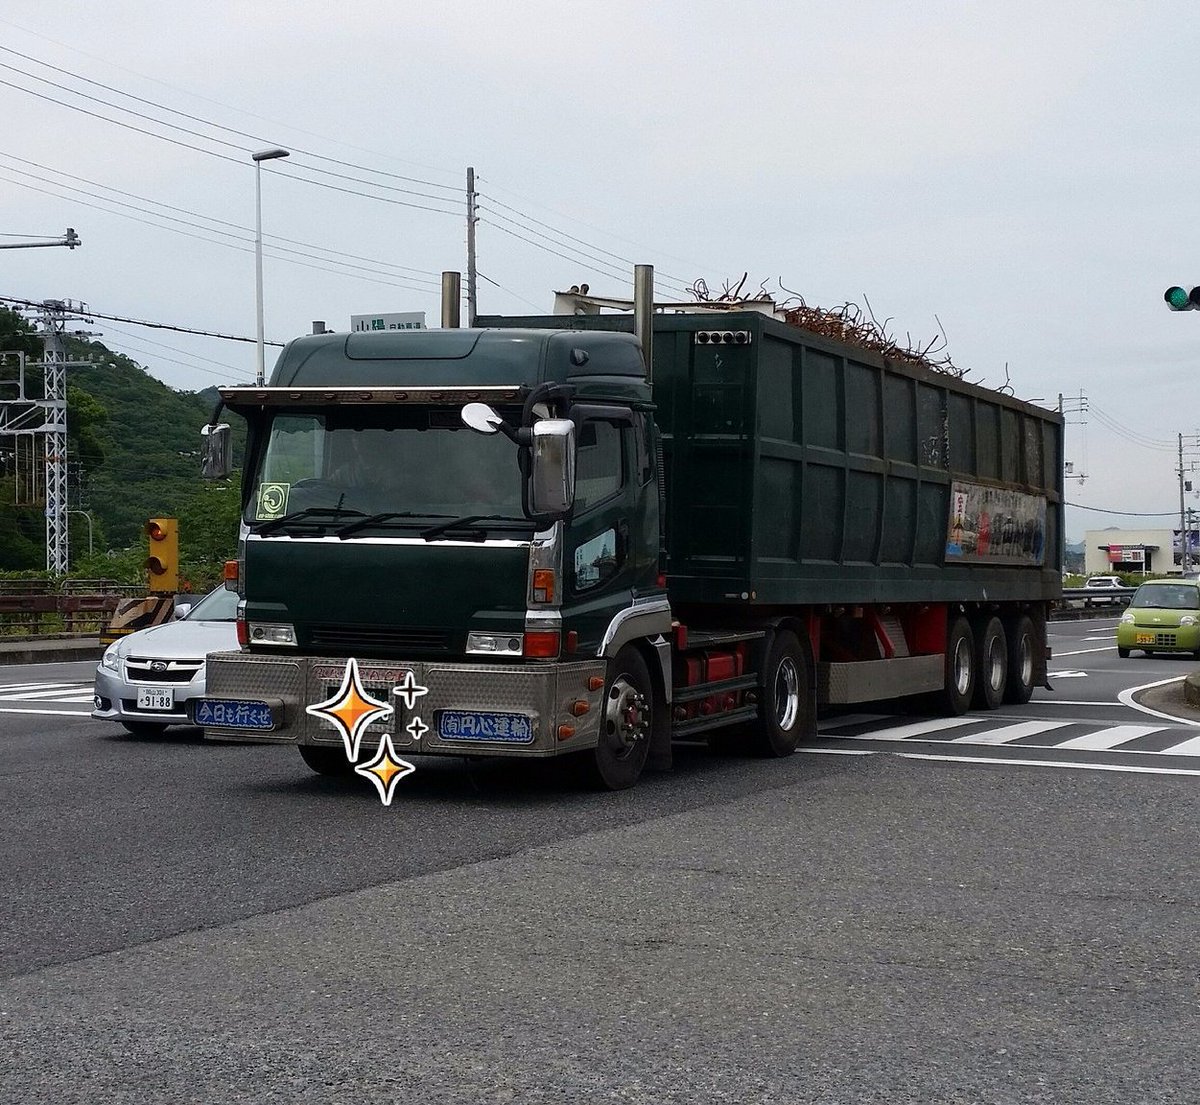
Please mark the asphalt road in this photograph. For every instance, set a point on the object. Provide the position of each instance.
(183, 921)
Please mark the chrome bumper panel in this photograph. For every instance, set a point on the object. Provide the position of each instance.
(544, 693)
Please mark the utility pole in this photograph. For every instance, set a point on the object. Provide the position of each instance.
(472, 219)
(1185, 553)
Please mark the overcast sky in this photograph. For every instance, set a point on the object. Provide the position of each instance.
(1025, 171)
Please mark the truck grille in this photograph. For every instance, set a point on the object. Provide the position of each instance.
(148, 670)
(348, 639)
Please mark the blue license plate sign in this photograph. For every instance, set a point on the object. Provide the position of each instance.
(225, 713)
(486, 727)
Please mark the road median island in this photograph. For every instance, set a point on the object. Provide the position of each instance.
(1179, 698)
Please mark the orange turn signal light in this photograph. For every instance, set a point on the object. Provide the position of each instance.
(579, 707)
(230, 570)
(543, 585)
(566, 732)
(595, 682)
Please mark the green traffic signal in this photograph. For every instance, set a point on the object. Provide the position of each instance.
(1178, 299)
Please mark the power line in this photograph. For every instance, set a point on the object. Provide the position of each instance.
(425, 275)
(1126, 513)
(142, 322)
(108, 63)
(515, 295)
(373, 278)
(219, 141)
(208, 122)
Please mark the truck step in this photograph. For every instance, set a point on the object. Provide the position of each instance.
(683, 729)
(716, 686)
(895, 631)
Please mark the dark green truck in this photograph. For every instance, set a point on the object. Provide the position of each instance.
(573, 556)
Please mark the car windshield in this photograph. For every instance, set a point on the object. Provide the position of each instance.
(217, 606)
(1167, 596)
(416, 462)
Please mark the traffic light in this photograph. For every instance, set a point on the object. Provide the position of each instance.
(1180, 299)
(162, 565)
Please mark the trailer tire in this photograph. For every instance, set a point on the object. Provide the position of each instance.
(991, 664)
(326, 761)
(785, 698)
(959, 688)
(626, 724)
(1021, 643)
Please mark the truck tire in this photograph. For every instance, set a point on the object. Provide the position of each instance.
(959, 687)
(991, 664)
(1021, 643)
(785, 698)
(625, 724)
(326, 761)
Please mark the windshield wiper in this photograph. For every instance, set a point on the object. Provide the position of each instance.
(381, 519)
(467, 523)
(322, 515)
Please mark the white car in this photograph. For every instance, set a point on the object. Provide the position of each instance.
(1103, 582)
(145, 680)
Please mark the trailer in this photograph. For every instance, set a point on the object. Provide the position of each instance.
(578, 541)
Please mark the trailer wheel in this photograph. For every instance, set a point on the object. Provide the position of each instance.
(1021, 643)
(785, 699)
(959, 688)
(326, 761)
(991, 665)
(626, 725)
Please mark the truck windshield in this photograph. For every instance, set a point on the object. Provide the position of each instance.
(366, 461)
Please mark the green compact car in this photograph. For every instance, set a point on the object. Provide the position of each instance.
(1163, 616)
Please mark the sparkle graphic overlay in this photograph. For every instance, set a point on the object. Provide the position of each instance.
(351, 709)
(417, 728)
(385, 770)
(408, 690)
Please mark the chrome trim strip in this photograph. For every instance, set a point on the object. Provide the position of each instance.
(311, 396)
(502, 543)
(657, 613)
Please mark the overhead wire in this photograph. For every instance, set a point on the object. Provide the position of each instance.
(424, 276)
(108, 63)
(274, 252)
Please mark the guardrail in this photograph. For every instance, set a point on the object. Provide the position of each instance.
(34, 608)
(1097, 596)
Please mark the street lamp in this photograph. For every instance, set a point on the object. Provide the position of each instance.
(258, 159)
(89, 522)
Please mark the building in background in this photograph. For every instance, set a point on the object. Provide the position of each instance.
(1151, 551)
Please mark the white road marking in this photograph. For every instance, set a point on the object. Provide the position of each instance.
(1104, 739)
(1139, 769)
(1070, 702)
(1126, 699)
(902, 732)
(1190, 747)
(1008, 733)
(33, 696)
(1068, 674)
(57, 713)
(22, 687)
(1081, 651)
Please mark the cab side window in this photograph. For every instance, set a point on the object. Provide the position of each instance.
(599, 463)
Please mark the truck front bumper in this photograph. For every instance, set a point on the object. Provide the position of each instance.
(465, 710)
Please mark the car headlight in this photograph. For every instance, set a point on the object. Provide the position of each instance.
(1188, 619)
(110, 659)
(1127, 618)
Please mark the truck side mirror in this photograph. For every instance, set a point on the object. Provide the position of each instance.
(481, 418)
(552, 467)
(216, 451)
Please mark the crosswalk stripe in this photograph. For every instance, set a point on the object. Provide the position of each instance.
(917, 729)
(1110, 737)
(1008, 733)
(1190, 747)
(10, 687)
(33, 696)
(76, 698)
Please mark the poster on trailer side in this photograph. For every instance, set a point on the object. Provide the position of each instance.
(995, 525)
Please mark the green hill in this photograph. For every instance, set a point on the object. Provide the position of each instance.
(133, 453)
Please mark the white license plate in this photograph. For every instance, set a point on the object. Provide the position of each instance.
(151, 699)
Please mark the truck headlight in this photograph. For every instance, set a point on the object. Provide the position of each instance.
(1127, 618)
(110, 659)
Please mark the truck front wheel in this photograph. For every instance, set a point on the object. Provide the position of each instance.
(785, 698)
(326, 761)
(959, 686)
(625, 724)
